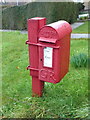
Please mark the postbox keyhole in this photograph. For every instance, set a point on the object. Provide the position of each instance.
(41, 59)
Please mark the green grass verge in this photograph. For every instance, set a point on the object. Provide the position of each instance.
(67, 99)
(83, 28)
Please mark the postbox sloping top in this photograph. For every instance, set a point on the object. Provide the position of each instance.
(48, 34)
(55, 31)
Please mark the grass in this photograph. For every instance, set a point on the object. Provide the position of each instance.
(83, 28)
(67, 99)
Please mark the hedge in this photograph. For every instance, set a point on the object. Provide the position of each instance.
(16, 17)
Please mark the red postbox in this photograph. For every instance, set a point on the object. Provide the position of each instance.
(49, 51)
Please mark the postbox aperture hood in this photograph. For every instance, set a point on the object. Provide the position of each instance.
(55, 31)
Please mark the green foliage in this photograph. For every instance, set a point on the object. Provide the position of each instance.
(83, 18)
(79, 60)
(80, 6)
(16, 17)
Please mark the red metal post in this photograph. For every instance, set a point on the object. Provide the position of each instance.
(37, 87)
(34, 26)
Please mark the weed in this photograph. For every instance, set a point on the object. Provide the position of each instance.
(79, 60)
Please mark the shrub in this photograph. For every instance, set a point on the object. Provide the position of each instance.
(16, 17)
(83, 18)
(79, 60)
(81, 6)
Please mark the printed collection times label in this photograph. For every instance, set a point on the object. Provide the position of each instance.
(48, 56)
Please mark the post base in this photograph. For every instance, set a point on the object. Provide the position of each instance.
(37, 87)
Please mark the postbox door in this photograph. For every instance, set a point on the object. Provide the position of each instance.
(48, 64)
(54, 60)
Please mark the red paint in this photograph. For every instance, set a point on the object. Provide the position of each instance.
(34, 26)
(56, 37)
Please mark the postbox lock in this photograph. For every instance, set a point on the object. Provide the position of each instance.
(41, 59)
